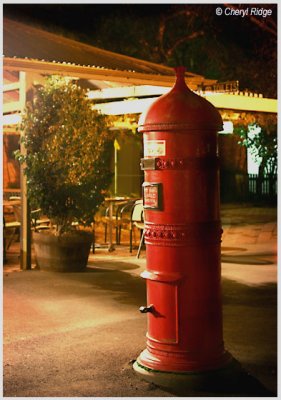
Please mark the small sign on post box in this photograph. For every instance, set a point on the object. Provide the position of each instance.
(152, 148)
(152, 196)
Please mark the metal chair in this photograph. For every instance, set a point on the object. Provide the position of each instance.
(124, 218)
(121, 217)
(137, 221)
(115, 219)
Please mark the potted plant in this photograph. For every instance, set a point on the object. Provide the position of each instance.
(67, 167)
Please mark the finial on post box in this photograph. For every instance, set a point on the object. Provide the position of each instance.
(180, 71)
(180, 104)
(180, 81)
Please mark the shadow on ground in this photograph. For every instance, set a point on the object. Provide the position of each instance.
(250, 335)
(247, 259)
(233, 381)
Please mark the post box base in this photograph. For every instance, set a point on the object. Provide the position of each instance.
(206, 381)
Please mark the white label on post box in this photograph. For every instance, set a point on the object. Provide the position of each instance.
(154, 148)
(151, 196)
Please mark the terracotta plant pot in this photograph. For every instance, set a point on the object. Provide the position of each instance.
(66, 253)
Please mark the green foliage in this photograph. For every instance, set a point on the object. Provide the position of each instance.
(262, 143)
(67, 154)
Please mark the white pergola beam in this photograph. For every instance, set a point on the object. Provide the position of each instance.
(242, 102)
(221, 101)
(11, 106)
(124, 107)
(127, 91)
(8, 87)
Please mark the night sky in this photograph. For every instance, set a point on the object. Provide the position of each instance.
(79, 17)
(83, 19)
(255, 46)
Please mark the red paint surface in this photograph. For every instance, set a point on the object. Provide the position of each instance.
(183, 238)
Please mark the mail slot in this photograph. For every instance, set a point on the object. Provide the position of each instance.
(152, 196)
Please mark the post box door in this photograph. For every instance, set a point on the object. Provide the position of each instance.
(162, 295)
(163, 321)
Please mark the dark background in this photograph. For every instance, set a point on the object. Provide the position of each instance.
(218, 47)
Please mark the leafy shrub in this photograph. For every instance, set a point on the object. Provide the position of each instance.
(67, 156)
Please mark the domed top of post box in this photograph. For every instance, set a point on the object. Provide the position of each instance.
(180, 109)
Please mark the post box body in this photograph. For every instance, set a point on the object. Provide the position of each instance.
(182, 233)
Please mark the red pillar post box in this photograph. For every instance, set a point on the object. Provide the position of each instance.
(182, 235)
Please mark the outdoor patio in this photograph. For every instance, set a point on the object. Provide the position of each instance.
(139, 131)
(85, 328)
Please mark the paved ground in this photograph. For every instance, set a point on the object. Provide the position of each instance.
(76, 334)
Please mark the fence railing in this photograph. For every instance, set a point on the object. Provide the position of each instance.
(248, 187)
(265, 186)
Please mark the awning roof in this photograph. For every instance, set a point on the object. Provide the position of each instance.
(31, 49)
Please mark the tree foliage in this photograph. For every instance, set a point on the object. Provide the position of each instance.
(218, 47)
(67, 158)
(262, 143)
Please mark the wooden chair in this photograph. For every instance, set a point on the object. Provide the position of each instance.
(11, 231)
(11, 228)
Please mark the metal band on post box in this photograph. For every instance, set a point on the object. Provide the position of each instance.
(148, 164)
(179, 163)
